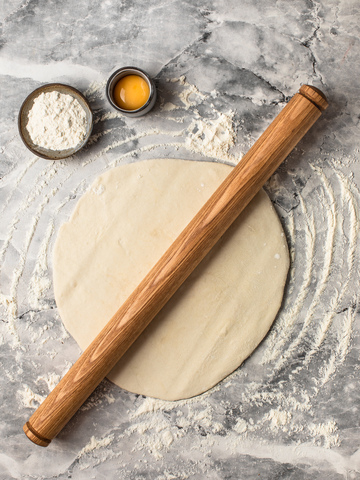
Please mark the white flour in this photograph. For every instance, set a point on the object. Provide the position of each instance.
(95, 444)
(56, 121)
(212, 137)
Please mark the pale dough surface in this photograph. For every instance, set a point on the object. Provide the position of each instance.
(121, 227)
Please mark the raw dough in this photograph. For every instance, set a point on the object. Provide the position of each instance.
(118, 231)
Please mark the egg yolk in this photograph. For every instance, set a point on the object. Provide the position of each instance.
(131, 92)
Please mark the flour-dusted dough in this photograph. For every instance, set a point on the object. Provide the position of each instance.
(118, 231)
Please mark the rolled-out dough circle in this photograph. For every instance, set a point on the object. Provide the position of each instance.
(118, 231)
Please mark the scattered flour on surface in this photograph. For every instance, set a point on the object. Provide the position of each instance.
(212, 137)
(169, 107)
(109, 398)
(240, 426)
(96, 89)
(279, 418)
(40, 282)
(28, 398)
(325, 434)
(95, 444)
(51, 380)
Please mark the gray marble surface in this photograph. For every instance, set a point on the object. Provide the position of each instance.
(292, 410)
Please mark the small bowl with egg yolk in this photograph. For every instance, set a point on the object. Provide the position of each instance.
(131, 91)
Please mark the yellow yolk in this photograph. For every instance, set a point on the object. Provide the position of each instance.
(131, 92)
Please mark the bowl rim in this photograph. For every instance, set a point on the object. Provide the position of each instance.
(132, 70)
(77, 93)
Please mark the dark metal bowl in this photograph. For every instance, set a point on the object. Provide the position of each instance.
(23, 120)
(123, 72)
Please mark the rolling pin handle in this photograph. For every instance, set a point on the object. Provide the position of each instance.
(315, 96)
(34, 436)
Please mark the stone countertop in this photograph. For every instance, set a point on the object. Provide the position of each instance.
(292, 409)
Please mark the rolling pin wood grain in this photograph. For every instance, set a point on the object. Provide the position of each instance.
(177, 263)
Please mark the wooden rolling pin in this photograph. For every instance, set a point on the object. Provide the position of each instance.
(177, 263)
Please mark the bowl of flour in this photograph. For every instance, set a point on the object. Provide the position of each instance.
(55, 121)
